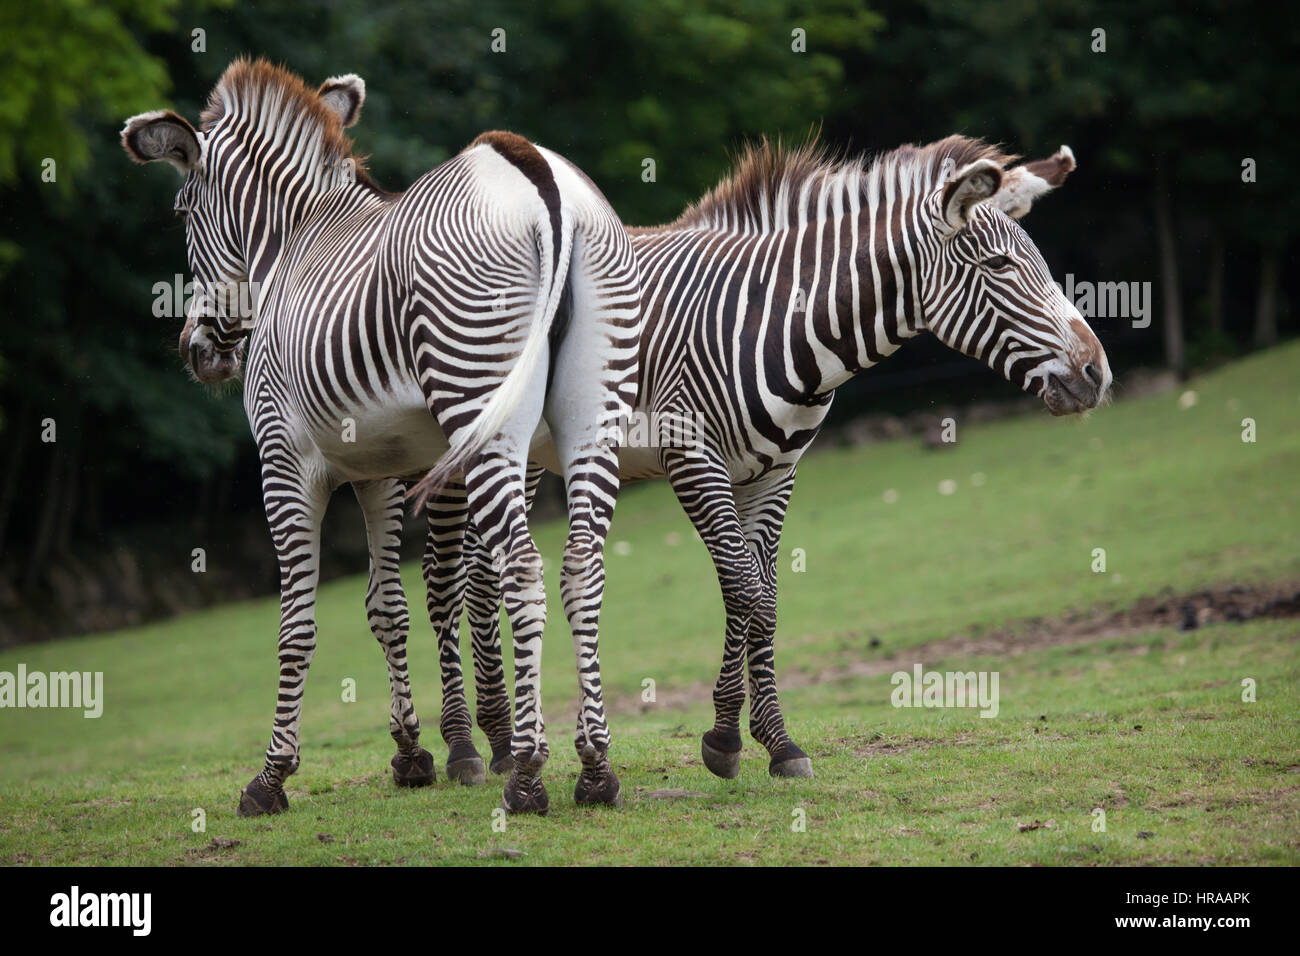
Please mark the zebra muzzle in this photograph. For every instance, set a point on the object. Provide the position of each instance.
(1069, 395)
(212, 365)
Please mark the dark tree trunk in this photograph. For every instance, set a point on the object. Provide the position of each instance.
(14, 466)
(1172, 309)
(1266, 300)
(70, 497)
(46, 524)
(1214, 285)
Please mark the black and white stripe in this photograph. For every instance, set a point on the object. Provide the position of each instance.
(374, 310)
(781, 284)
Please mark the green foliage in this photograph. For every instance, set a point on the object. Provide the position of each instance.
(609, 83)
(1195, 87)
(66, 68)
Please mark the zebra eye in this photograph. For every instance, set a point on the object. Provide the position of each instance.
(997, 262)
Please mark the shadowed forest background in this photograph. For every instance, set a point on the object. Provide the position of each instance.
(98, 527)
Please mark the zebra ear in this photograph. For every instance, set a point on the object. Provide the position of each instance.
(343, 95)
(162, 135)
(1022, 185)
(972, 183)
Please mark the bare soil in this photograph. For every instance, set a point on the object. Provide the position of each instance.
(1233, 604)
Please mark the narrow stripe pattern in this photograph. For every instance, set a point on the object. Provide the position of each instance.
(401, 343)
(793, 275)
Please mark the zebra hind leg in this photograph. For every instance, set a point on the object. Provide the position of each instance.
(483, 606)
(593, 487)
(444, 579)
(386, 612)
(582, 583)
(591, 398)
(483, 609)
(500, 514)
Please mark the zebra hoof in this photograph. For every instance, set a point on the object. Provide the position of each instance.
(503, 761)
(525, 796)
(258, 799)
(790, 761)
(414, 770)
(601, 790)
(464, 764)
(466, 770)
(724, 763)
(795, 767)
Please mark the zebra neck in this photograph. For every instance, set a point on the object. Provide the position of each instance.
(848, 300)
(272, 230)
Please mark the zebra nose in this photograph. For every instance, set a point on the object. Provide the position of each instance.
(1093, 373)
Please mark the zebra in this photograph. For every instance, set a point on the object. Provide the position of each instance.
(392, 336)
(788, 278)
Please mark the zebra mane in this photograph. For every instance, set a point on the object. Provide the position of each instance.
(762, 192)
(282, 106)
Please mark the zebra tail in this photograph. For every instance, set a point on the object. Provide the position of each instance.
(553, 274)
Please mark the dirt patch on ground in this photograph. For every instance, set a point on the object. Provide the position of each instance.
(879, 744)
(1187, 612)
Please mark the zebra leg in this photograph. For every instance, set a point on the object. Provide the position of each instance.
(762, 508)
(703, 487)
(592, 487)
(484, 612)
(382, 504)
(444, 580)
(294, 508)
(502, 521)
(593, 394)
(495, 489)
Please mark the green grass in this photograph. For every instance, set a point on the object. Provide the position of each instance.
(1172, 494)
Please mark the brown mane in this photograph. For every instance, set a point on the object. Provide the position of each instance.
(254, 86)
(764, 171)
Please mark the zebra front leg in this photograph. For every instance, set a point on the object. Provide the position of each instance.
(444, 579)
(762, 508)
(382, 504)
(766, 725)
(294, 507)
(704, 490)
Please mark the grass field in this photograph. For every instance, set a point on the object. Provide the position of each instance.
(1147, 724)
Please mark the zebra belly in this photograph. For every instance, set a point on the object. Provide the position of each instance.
(399, 440)
(639, 464)
(393, 441)
(634, 464)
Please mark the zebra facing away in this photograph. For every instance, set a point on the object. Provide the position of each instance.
(390, 334)
(784, 281)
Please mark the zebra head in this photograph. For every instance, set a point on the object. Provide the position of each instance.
(987, 292)
(215, 326)
(226, 164)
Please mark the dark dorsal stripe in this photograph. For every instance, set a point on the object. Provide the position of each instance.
(524, 156)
